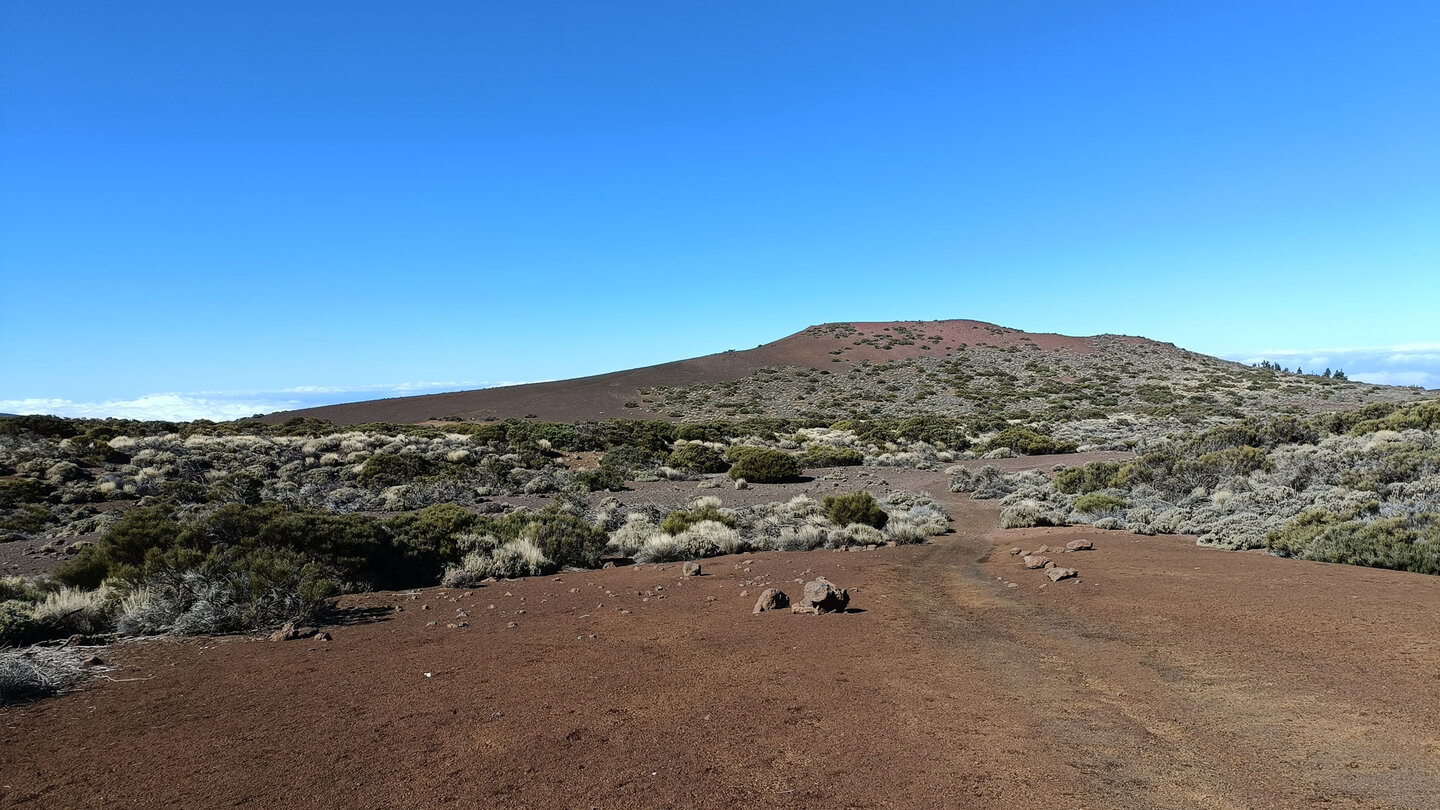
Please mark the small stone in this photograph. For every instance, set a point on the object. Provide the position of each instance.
(1057, 574)
(1035, 561)
(512, 625)
(1017, 551)
(1079, 545)
(93, 661)
(690, 569)
(322, 636)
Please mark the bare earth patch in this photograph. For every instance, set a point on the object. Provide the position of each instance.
(1164, 675)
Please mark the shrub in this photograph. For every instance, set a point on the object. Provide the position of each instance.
(660, 548)
(36, 673)
(393, 469)
(429, 537)
(702, 509)
(935, 430)
(19, 588)
(762, 465)
(600, 478)
(1028, 513)
(864, 535)
(699, 458)
(856, 507)
(18, 625)
(1027, 442)
(519, 558)
(69, 611)
(1098, 502)
(1089, 478)
(566, 540)
(903, 532)
(824, 455)
(626, 459)
(631, 537)
(1357, 537)
(708, 538)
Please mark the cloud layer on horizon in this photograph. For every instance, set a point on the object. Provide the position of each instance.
(226, 405)
(1410, 364)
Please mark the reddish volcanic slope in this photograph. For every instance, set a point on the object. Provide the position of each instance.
(604, 396)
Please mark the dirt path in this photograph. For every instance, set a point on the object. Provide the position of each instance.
(1166, 676)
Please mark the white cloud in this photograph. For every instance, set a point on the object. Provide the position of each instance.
(1409, 364)
(226, 405)
(168, 407)
(1424, 379)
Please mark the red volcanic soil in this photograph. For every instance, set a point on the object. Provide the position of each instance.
(604, 396)
(1165, 675)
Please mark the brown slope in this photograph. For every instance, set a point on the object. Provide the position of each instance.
(603, 396)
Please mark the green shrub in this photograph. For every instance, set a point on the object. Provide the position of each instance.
(566, 539)
(1404, 543)
(682, 519)
(857, 507)
(1094, 502)
(627, 458)
(17, 492)
(1028, 442)
(1421, 416)
(1094, 476)
(29, 519)
(824, 455)
(699, 458)
(762, 465)
(356, 549)
(935, 430)
(428, 538)
(600, 478)
(18, 625)
(393, 469)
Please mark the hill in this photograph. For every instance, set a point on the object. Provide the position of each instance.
(839, 370)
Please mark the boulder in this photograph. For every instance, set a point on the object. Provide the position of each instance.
(1035, 561)
(1079, 545)
(1057, 574)
(821, 596)
(690, 569)
(772, 599)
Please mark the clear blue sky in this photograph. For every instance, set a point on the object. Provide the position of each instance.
(254, 197)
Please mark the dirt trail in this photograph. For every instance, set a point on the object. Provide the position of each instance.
(1166, 676)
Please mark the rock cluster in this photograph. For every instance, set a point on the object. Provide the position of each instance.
(1036, 560)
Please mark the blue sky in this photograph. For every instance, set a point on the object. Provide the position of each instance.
(217, 208)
